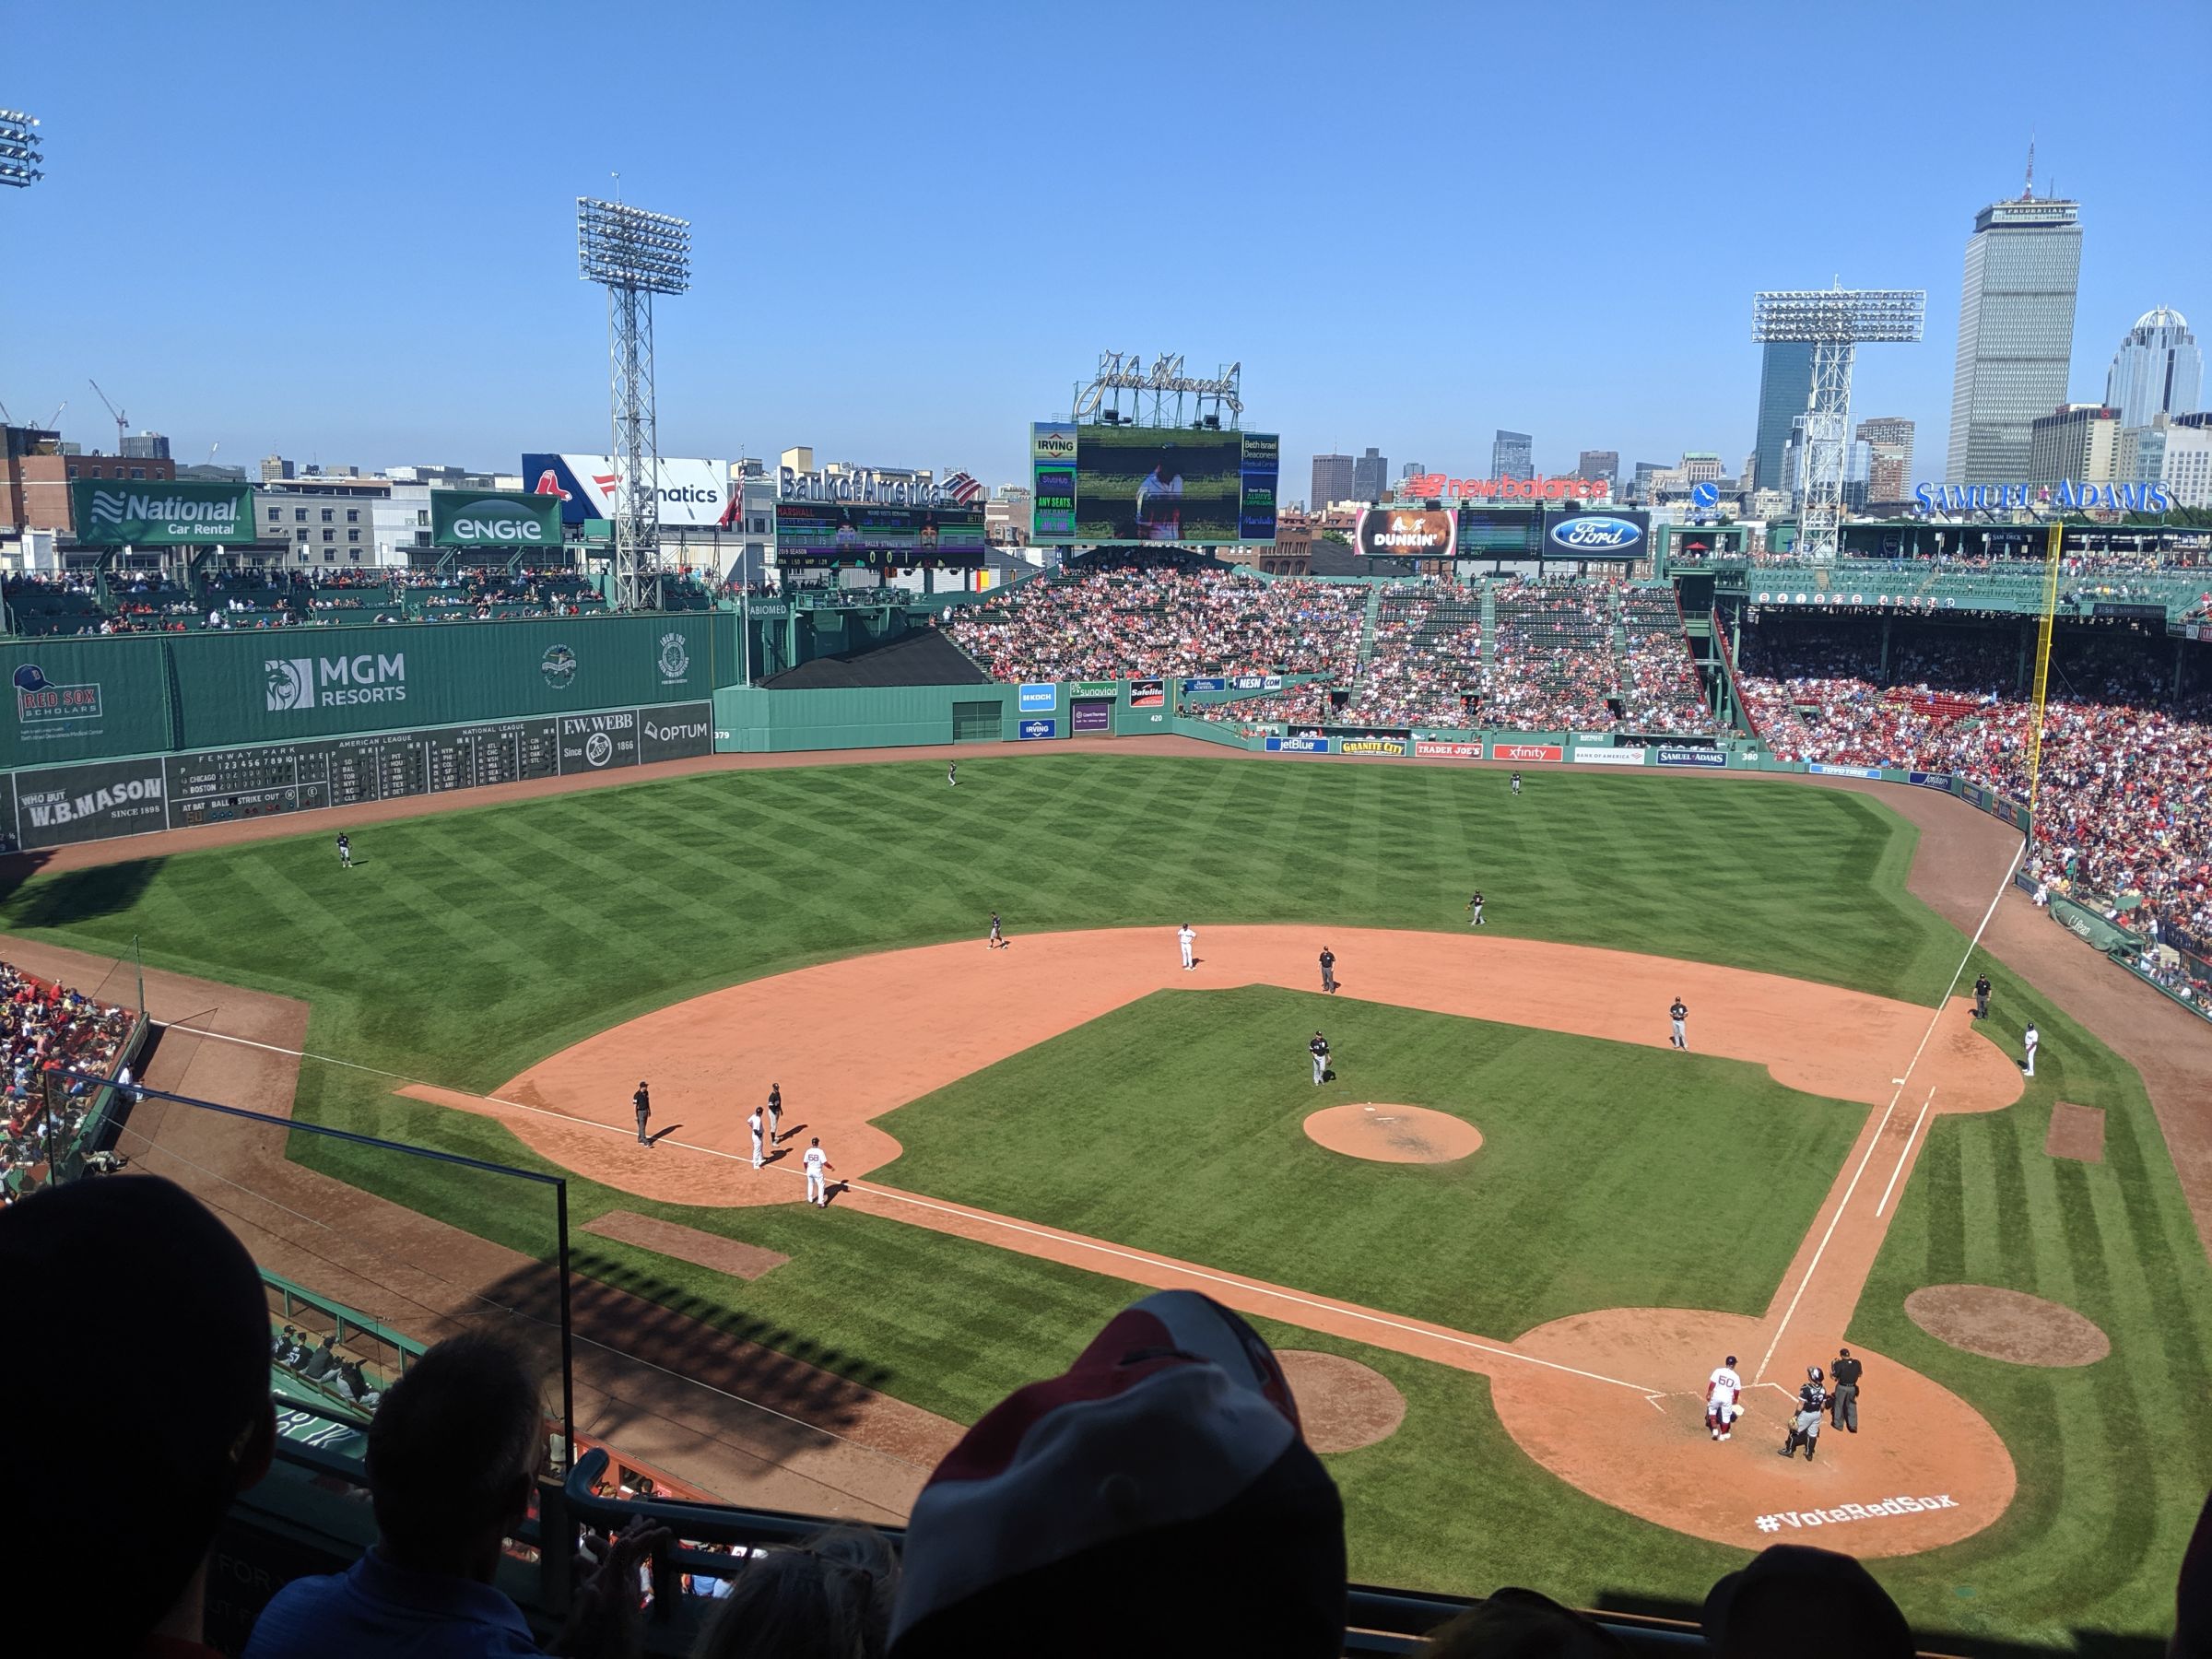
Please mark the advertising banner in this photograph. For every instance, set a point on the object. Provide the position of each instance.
(1371, 745)
(1028, 731)
(1262, 469)
(1609, 756)
(1147, 694)
(85, 700)
(476, 517)
(1053, 480)
(1525, 751)
(1601, 533)
(1298, 746)
(319, 682)
(692, 493)
(1927, 780)
(1214, 683)
(1037, 696)
(675, 733)
(1256, 682)
(596, 741)
(1091, 717)
(818, 533)
(91, 803)
(1407, 533)
(1430, 750)
(1843, 772)
(1095, 689)
(1668, 754)
(162, 513)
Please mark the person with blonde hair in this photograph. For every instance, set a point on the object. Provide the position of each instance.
(830, 1598)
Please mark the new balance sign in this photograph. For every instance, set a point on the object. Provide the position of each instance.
(469, 518)
(161, 515)
(297, 684)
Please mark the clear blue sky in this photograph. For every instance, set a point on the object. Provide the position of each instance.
(349, 236)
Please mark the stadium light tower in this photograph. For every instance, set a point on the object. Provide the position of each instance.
(634, 255)
(1834, 322)
(19, 152)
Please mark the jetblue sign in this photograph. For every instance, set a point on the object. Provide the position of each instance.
(1595, 536)
(2067, 493)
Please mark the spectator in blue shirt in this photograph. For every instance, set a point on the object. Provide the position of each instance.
(454, 1454)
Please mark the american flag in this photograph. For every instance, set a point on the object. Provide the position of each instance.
(962, 489)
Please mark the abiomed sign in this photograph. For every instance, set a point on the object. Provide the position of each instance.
(469, 518)
(160, 514)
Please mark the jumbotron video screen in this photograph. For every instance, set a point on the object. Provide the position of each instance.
(1138, 484)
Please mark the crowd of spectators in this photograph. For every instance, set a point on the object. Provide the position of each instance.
(42, 1025)
(244, 599)
(1570, 654)
(1158, 1497)
(2123, 813)
(1138, 620)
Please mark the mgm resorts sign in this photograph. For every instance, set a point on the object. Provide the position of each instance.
(2065, 493)
(160, 514)
(863, 485)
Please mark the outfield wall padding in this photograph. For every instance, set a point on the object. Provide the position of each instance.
(113, 698)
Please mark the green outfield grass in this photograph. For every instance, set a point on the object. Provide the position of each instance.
(468, 945)
(1174, 1125)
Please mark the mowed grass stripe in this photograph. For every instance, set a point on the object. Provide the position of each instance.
(603, 894)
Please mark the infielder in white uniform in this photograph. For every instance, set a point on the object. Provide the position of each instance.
(2029, 1041)
(753, 1123)
(1724, 1399)
(818, 1163)
(1186, 937)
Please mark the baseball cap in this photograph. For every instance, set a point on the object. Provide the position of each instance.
(1809, 1604)
(1158, 1496)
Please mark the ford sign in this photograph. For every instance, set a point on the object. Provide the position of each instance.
(1596, 534)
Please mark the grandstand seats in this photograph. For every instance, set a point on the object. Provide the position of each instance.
(2125, 807)
(1140, 621)
(125, 602)
(43, 1024)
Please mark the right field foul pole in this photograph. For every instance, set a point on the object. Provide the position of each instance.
(2057, 539)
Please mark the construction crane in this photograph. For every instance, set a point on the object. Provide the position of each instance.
(122, 421)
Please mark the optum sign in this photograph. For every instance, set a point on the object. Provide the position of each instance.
(470, 518)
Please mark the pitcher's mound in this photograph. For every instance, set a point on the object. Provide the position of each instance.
(2007, 1324)
(1394, 1134)
(1343, 1404)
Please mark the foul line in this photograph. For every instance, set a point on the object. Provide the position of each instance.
(1972, 944)
(1904, 1157)
(1342, 1310)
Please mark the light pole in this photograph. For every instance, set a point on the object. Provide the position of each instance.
(19, 152)
(634, 255)
(1834, 322)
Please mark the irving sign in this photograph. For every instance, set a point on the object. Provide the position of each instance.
(160, 514)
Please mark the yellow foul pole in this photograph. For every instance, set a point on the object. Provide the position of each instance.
(2057, 539)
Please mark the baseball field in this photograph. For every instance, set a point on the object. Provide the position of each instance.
(1515, 1229)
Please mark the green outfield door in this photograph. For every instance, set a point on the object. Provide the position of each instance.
(977, 722)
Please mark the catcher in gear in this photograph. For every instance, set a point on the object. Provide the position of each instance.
(1804, 1427)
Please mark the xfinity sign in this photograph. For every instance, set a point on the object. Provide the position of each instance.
(160, 514)
(469, 518)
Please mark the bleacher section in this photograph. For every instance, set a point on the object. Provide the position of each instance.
(924, 658)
